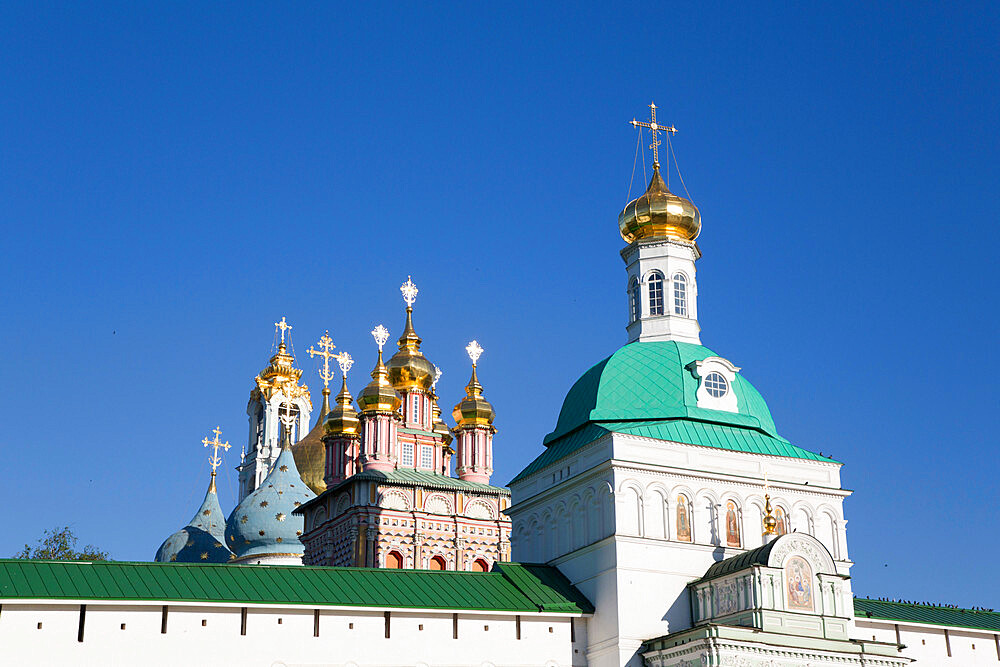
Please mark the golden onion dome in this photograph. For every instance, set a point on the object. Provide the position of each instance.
(438, 425)
(474, 410)
(342, 419)
(409, 368)
(659, 213)
(378, 395)
(310, 458)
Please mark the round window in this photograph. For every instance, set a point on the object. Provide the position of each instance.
(716, 385)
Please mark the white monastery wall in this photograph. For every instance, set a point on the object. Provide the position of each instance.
(935, 645)
(46, 634)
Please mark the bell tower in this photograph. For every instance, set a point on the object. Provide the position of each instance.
(278, 383)
(660, 229)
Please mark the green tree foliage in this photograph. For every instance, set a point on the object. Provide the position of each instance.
(60, 544)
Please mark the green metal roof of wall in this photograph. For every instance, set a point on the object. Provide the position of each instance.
(929, 614)
(512, 587)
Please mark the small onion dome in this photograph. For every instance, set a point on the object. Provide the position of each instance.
(474, 410)
(263, 524)
(202, 539)
(438, 425)
(342, 419)
(409, 368)
(659, 213)
(378, 395)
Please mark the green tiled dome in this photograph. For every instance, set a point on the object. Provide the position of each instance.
(645, 381)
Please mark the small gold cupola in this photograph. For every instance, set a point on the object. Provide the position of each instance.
(474, 410)
(342, 419)
(409, 368)
(379, 395)
(658, 213)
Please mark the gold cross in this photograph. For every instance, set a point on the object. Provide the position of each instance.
(654, 129)
(284, 326)
(326, 344)
(215, 443)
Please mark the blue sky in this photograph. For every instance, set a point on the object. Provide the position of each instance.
(174, 178)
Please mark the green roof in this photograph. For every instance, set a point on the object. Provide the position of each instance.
(411, 477)
(649, 389)
(512, 587)
(929, 614)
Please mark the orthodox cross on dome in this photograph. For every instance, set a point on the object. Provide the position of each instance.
(654, 129)
(437, 376)
(284, 326)
(326, 344)
(215, 444)
(409, 291)
(286, 417)
(380, 334)
(345, 362)
(475, 350)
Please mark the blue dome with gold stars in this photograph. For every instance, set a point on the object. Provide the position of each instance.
(202, 539)
(263, 524)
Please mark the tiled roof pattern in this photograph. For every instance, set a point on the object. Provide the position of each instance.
(703, 434)
(512, 587)
(929, 614)
(653, 381)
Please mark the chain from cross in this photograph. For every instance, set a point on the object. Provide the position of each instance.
(215, 444)
(654, 129)
(409, 291)
(326, 344)
(284, 326)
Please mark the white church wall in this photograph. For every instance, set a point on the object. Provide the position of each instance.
(930, 645)
(198, 634)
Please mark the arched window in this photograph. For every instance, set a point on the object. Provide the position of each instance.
(732, 525)
(683, 520)
(437, 563)
(781, 527)
(633, 300)
(479, 565)
(656, 293)
(394, 560)
(680, 295)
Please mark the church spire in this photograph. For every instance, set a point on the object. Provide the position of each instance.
(325, 351)
(214, 459)
(474, 430)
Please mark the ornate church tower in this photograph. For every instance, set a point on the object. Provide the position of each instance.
(278, 383)
(342, 434)
(380, 416)
(660, 229)
(474, 416)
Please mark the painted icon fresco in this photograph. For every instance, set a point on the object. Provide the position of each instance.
(781, 527)
(799, 583)
(683, 520)
(732, 525)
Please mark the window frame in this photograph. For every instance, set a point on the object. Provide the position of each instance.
(680, 294)
(655, 287)
(406, 453)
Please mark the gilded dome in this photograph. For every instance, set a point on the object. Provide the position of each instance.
(659, 213)
(473, 410)
(378, 395)
(342, 419)
(310, 458)
(409, 368)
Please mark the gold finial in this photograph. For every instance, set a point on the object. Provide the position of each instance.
(769, 521)
(654, 129)
(475, 350)
(214, 459)
(326, 344)
(284, 326)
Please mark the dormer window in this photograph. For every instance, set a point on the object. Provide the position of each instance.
(656, 293)
(680, 295)
(716, 385)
